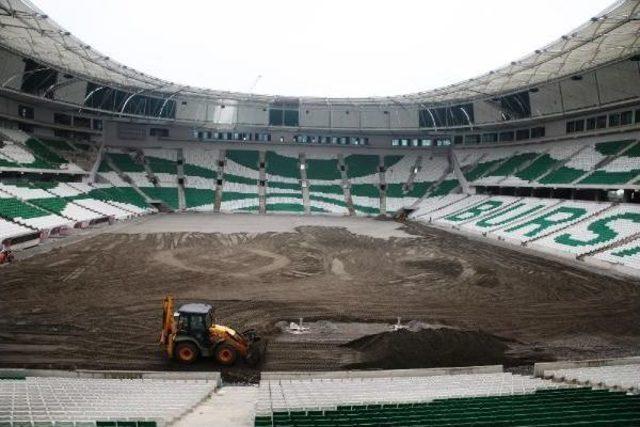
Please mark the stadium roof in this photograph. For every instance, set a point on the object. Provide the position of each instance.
(610, 36)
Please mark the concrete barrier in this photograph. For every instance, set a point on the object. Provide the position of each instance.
(539, 368)
(107, 374)
(398, 373)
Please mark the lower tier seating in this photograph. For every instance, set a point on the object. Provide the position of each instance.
(284, 197)
(319, 394)
(431, 204)
(550, 220)
(366, 199)
(327, 198)
(451, 208)
(566, 407)
(607, 228)
(43, 400)
(29, 215)
(515, 212)
(10, 229)
(481, 209)
(67, 208)
(199, 199)
(168, 195)
(239, 194)
(627, 255)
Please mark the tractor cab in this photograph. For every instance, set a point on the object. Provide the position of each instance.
(195, 320)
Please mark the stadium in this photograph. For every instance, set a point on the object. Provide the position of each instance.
(174, 255)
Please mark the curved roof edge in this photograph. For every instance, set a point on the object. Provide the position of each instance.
(611, 36)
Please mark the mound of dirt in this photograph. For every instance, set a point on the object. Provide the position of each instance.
(429, 348)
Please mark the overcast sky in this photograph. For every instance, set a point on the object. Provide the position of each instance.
(319, 48)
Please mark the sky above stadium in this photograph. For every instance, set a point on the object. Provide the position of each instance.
(330, 48)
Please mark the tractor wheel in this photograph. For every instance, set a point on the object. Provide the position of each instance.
(226, 354)
(186, 352)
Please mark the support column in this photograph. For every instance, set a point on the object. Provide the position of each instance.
(304, 183)
(262, 189)
(182, 200)
(219, 180)
(346, 186)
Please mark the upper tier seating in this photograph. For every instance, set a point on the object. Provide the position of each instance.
(48, 400)
(622, 170)
(162, 161)
(584, 161)
(58, 144)
(550, 220)
(508, 167)
(481, 161)
(125, 162)
(431, 169)
(625, 377)
(317, 394)
(611, 226)
(240, 185)
(553, 154)
(29, 215)
(562, 407)
(431, 204)
(201, 163)
(363, 168)
(21, 150)
(17, 156)
(448, 184)
(449, 209)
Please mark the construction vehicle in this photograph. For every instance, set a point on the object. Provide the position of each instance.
(191, 333)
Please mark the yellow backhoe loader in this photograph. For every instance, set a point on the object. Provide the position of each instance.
(190, 333)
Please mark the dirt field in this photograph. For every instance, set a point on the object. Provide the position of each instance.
(97, 303)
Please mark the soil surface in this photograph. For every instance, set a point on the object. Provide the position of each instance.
(96, 303)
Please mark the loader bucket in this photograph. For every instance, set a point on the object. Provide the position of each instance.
(257, 347)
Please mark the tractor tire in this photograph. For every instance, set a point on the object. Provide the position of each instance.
(226, 354)
(186, 353)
